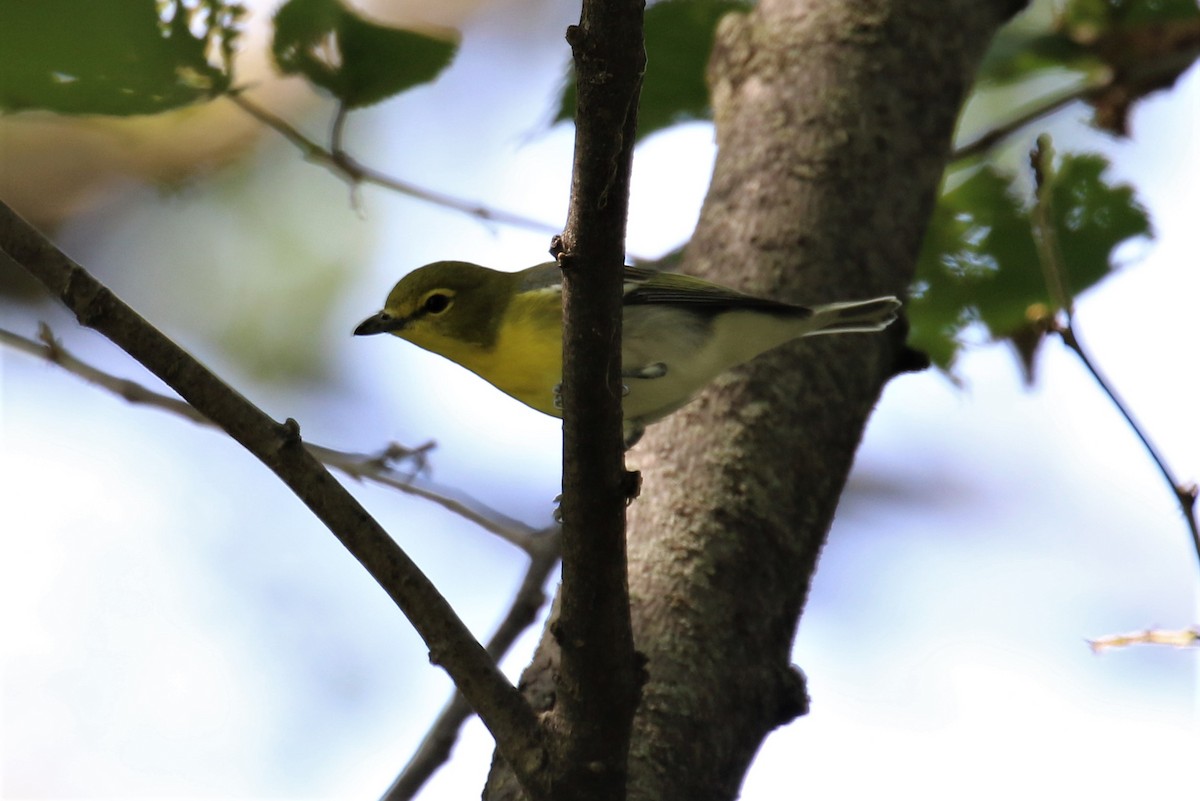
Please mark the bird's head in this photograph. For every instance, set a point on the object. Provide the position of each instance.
(445, 307)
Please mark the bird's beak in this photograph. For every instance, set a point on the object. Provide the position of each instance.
(381, 323)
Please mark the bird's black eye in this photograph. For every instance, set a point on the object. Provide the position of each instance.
(436, 303)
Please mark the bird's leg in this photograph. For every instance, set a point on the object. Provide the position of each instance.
(633, 432)
(653, 370)
(650, 371)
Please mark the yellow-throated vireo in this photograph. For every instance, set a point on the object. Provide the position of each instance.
(678, 332)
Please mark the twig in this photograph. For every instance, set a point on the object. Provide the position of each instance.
(1185, 494)
(337, 131)
(353, 172)
(1054, 271)
(435, 749)
(1182, 638)
(1050, 256)
(50, 349)
(365, 466)
(377, 468)
(512, 722)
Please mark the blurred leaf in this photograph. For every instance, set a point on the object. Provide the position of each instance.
(1144, 55)
(1017, 53)
(119, 57)
(1093, 217)
(979, 261)
(1101, 14)
(679, 40)
(1121, 50)
(977, 234)
(359, 62)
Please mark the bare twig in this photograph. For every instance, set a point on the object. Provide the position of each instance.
(353, 172)
(1054, 271)
(434, 750)
(511, 720)
(338, 130)
(378, 468)
(368, 467)
(48, 348)
(1050, 256)
(1185, 494)
(1181, 638)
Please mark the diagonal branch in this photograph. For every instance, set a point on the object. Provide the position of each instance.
(355, 173)
(544, 547)
(1055, 273)
(434, 750)
(1185, 494)
(518, 734)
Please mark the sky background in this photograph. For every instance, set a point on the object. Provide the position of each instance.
(176, 625)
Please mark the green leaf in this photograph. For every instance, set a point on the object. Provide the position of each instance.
(979, 261)
(358, 61)
(977, 230)
(679, 39)
(1017, 53)
(1102, 14)
(1092, 217)
(118, 57)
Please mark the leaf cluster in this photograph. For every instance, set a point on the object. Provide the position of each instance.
(118, 57)
(1121, 50)
(980, 264)
(679, 40)
(357, 61)
(979, 261)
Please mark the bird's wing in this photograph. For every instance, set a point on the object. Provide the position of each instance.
(644, 286)
(542, 277)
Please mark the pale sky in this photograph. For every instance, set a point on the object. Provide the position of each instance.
(176, 625)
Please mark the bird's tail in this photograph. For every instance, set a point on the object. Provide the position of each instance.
(860, 315)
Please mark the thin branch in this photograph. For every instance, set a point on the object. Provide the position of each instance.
(511, 720)
(338, 130)
(356, 173)
(599, 686)
(377, 468)
(1055, 272)
(373, 468)
(1185, 494)
(1180, 638)
(51, 350)
(435, 749)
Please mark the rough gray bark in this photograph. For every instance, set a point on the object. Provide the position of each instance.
(833, 124)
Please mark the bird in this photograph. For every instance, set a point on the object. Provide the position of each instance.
(678, 332)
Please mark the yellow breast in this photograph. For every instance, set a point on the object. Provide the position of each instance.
(525, 357)
(527, 361)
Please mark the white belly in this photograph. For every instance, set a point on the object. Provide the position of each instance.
(694, 350)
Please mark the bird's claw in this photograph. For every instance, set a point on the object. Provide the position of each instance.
(650, 371)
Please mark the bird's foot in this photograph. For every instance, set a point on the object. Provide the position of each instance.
(650, 371)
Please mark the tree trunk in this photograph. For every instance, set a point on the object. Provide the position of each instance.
(834, 122)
